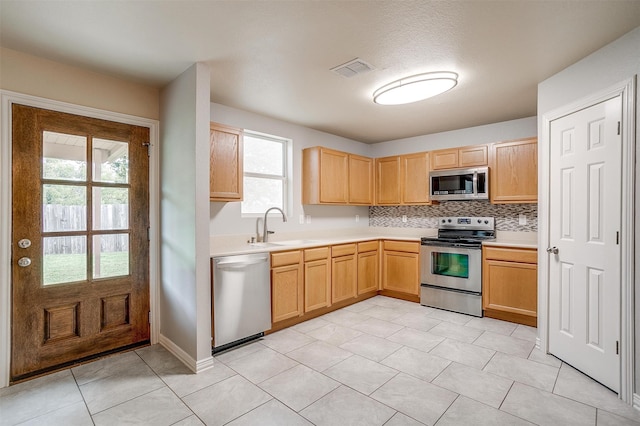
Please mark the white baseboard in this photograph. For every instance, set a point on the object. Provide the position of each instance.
(185, 358)
(538, 343)
(636, 401)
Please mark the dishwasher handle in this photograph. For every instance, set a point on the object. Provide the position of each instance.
(240, 264)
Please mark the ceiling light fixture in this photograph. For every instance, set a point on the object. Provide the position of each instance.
(415, 88)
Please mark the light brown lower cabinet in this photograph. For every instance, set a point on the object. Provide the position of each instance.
(286, 285)
(368, 267)
(401, 266)
(317, 278)
(510, 284)
(343, 272)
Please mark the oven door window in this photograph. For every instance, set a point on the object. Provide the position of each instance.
(450, 264)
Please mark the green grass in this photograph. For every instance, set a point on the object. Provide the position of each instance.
(64, 268)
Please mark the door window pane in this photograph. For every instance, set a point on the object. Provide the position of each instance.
(263, 156)
(64, 259)
(261, 194)
(110, 255)
(64, 156)
(450, 264)
(110, 161)
(110, 208)
(64, 208)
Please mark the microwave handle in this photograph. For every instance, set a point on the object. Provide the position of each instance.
(475, 183)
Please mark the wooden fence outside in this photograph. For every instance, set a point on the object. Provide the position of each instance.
(60, 218)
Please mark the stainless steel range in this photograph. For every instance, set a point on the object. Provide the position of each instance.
(451, 264)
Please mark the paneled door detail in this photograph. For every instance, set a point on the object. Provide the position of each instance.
(585, 220)
(80, 254)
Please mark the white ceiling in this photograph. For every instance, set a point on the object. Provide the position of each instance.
(274, 57)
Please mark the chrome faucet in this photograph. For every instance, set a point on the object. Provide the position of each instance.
(265, 232)
(258, 236)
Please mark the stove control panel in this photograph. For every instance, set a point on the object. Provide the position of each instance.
(467, 222)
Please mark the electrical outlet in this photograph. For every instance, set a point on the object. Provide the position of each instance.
(404, 218)
(301, 219)
(357, 218)
(308, 218)
(522, 219)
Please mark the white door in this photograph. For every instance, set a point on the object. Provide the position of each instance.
(584, 225)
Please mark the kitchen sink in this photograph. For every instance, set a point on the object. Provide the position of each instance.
(261, 244)
(293, 242)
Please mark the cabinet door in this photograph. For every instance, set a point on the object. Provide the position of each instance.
(388, 181)
(286, 292)
(400, 272)
(343, 278)
(225, 163)
(473, 156)
(360, 180)
(415, 178)
(514, 171)
(367, 272)
(510, 287)
(444, 159)
(317, 285)
(334, 176)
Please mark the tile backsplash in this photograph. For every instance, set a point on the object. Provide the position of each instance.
(506, 215)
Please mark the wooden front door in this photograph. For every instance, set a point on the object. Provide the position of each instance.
(80, 251)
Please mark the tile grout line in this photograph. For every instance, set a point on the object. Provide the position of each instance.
(168, 387)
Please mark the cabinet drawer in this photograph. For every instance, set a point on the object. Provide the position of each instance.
(511, 254)
(367, 246)
(343, 250)
(285, 258)
(316, 254)
(407, 246)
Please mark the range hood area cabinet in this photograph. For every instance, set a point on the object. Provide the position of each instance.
(403, 180)
(453, 158)
(336, 177)
(514, 171)
(225, 163)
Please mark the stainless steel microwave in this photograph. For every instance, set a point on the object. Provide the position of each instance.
(459, 184)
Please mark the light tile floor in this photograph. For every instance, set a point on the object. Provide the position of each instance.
(382, 361)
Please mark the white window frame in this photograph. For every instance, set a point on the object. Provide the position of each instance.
(284, 178)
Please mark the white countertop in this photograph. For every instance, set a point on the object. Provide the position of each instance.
(527, 240)
(226, 245)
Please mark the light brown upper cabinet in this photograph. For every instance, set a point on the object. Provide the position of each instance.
(468, 156)
(388, 181)
(415, 178)
(403, 179)
(514, 171)
(335, 177)
(360, 180)
(225, 161)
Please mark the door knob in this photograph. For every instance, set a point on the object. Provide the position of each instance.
(24, 243)
(552, 250)
(23, 262)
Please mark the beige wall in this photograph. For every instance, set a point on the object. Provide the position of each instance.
(36, 76)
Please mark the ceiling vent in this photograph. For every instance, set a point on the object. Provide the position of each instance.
(353, 68)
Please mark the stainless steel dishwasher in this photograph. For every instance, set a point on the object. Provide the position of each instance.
(241, 299)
